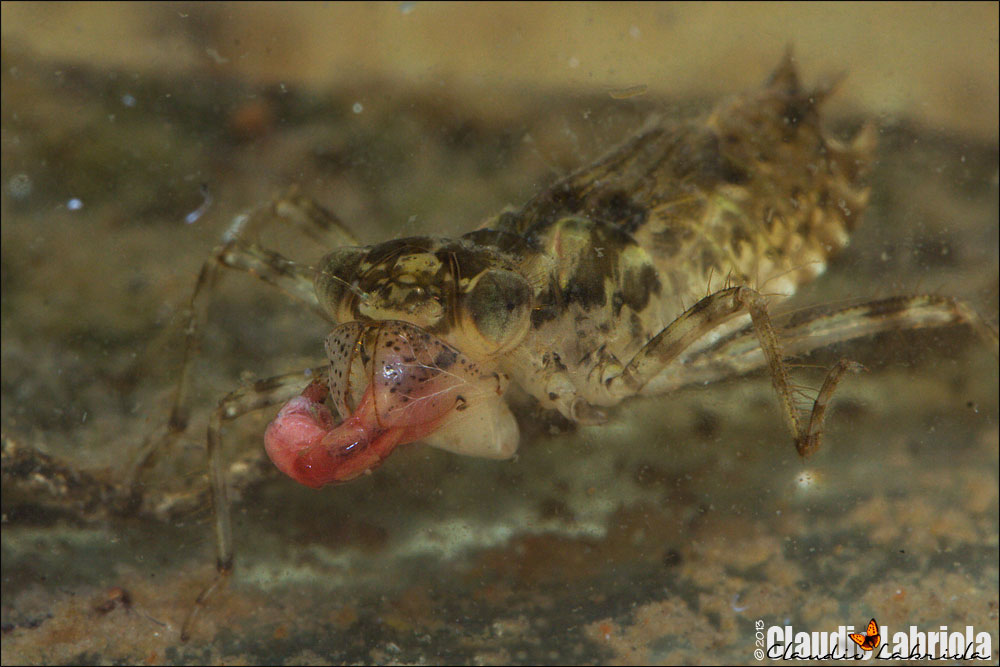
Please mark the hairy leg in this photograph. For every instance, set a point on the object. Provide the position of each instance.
(234, 405)
(818, 327)
(667, 363)
(236, 252)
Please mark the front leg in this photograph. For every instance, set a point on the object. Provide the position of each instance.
(244, 400)
(235, 251)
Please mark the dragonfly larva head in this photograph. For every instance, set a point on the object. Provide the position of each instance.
(392, 383)
(471, 296)
(424, 324)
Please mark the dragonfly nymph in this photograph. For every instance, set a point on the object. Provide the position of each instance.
(650, 270)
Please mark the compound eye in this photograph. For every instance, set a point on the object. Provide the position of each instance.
(333, 277)
(499, 307)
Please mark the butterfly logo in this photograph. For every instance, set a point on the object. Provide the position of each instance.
(870, 639)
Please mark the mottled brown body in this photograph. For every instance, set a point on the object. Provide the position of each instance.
(755, 195)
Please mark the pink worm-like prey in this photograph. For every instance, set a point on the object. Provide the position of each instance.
(304, 442)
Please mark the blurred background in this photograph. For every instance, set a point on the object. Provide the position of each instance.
(936, 62)
(133, 133)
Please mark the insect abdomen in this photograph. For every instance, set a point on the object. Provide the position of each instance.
(755, 194)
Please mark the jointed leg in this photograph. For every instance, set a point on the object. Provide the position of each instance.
(236, 404)
(235, 252)
(810, 442)
(320, 224)
(758, 345)
(706, 315)
(819, 327)
(743, 351)
(663, 348)
(768, 340)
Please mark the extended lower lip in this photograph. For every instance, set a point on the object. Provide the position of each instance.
(304, 442)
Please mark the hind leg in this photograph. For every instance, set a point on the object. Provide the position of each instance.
(741, 352)
(655, 369)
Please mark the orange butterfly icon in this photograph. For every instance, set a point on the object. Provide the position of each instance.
(869, 640)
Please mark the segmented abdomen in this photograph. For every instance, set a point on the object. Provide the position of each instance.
(756, 195)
